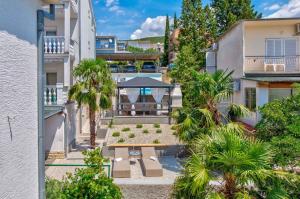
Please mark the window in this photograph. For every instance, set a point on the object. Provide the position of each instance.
(279, 93)
(250, 98)
(51, 78)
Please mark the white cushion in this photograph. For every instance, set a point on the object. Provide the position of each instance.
(118, 159)
(153, 158)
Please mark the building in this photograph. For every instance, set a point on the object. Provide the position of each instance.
(173, 46)
(21, 120)
(264, 55)
(112, 49)
(69, 39)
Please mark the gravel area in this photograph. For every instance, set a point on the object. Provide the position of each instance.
(165, 137)
(146, 191)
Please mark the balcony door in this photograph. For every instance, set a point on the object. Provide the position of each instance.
(282, 51)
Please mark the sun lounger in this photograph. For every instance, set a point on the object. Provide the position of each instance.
(150, 164)
(121, 165)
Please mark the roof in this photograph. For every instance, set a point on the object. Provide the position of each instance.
(143, 82)
(274, 79)
(129, 56)
(255, 20)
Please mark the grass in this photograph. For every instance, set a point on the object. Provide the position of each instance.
(139, 126)
(158, 131)
(116, 134)
(145, 131)
(121, 140)
(126, 129)
(131, 135)
(156, 141)
(156, 125)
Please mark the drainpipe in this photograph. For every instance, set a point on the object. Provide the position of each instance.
(41, 15)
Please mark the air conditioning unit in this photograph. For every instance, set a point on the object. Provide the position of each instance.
(298, 29)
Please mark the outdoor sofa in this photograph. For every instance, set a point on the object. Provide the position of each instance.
(121, 164)
(150, 164)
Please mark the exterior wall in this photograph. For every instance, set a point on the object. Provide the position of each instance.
(18, 68)
(255, 36)
(54, 133)
(57, 24)
(230, 51)
(57, 68)
(88, 30)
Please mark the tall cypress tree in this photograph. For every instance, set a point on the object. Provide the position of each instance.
(165, 58)
(192, 29)
(211, 26)
(175, 26)
(230, 11)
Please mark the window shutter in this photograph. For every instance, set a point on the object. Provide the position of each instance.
(278, 48)
(270, 43)
(290, 47)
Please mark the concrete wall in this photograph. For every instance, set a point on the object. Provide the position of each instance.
(88, 30)
(18, 93)
(230, 51)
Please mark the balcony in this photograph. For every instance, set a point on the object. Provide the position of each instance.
(54, 44)
(74, 4)
(54, 95)
(278, 64)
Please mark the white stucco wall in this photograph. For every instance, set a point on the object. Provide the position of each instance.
(88, 30)
(230, 51)
(18, 94)
(54, 133)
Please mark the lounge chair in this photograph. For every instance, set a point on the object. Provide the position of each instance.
(150, 164)
(121, 165)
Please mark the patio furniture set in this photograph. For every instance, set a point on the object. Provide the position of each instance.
(149, 162)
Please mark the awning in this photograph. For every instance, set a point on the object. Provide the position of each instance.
(143, 82)
(273, 79)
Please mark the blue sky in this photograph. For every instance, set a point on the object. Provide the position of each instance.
(140, 18)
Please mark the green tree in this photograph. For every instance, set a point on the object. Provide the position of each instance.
(230, 11)
(94, 87)
(165, 58)
(280, 126)
(225, 164)
(175, 25)
(211, 26)
(192, 29)
(89, 182)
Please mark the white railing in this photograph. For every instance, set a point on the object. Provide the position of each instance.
(74, 4)
(272, 64)
(54, 44)
(54, 94)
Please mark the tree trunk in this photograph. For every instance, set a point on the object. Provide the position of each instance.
(230, 188)
(92, 128)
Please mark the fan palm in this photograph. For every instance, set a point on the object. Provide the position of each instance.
(207, 91)
(94, 87)
(225, 164)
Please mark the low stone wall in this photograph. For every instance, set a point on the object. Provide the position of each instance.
(146, 191)
(119, 120)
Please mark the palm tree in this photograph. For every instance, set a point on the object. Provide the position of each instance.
(94, 87)
(225, 164)
(207, 91)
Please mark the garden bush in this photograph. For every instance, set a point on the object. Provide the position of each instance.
(158, 131)
(139, 126)
(121, 140)
(156, 125)
(131, 135)
(126, 129)
(145, 131)
(156, 141)
(116, 134)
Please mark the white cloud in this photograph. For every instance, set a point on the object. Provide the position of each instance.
(272, 7)
(113, 6)
(290, 9)
(151, 27)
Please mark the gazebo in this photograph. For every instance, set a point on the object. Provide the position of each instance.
(143, 96)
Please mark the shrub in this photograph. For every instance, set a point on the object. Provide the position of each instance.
(158, 131)
(139, 126)
(121, 140)
(116, 134)
(88, 182)
(126, 129)
(145, 131)
(173, 128)
(156, 141)
(131, 135)
(110, 124)
(174, 133)
(156, 125)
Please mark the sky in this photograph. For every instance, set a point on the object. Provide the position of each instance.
(133, 19)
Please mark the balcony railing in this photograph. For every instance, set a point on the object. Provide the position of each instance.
(74, 4)
(278, 64)
(54, 94)
(54, 44)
